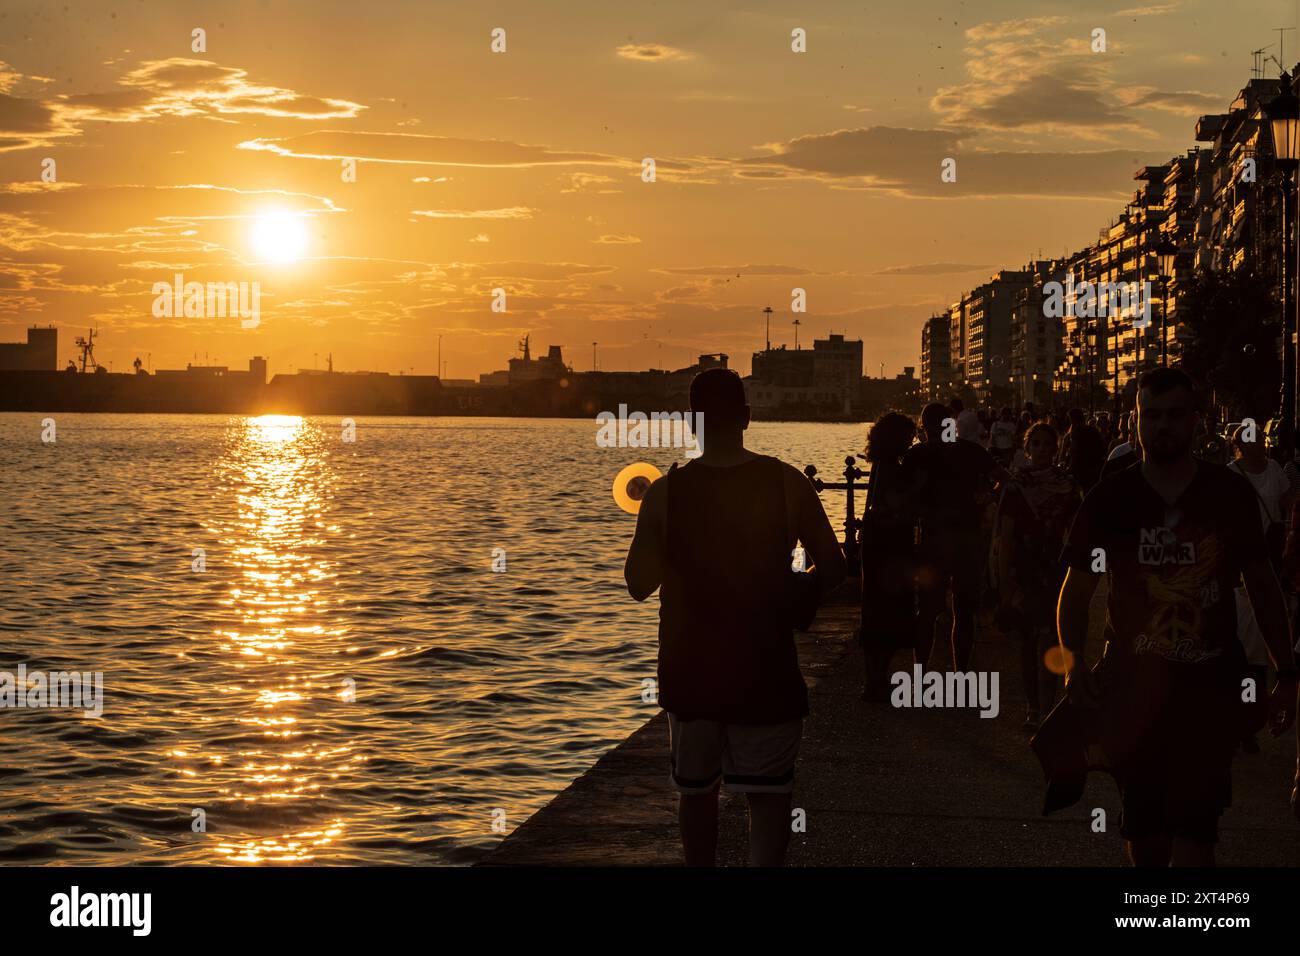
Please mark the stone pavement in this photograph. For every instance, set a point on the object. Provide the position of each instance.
(892, 787)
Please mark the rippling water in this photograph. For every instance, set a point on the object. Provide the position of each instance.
(348, 681)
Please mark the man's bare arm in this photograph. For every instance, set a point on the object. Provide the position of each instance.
(1270, 609)
(644, 570)
(1072, 615)
(814, 530)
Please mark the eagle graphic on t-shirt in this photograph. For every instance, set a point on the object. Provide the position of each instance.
(1177, 595)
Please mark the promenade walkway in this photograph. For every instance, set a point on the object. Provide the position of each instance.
(892, 787)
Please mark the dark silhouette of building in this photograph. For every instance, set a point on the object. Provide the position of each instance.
(40, 353)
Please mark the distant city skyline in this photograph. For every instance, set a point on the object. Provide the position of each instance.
(323, 362)
(129, 154)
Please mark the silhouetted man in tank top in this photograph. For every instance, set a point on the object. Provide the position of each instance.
(716, 537)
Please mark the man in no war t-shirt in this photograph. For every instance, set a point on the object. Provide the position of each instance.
(1175, 536)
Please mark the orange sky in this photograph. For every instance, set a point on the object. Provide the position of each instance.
(522, 170)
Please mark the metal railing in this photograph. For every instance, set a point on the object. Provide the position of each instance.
(853, 479)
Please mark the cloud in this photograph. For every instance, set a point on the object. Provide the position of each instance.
(1008, 29)
(1149, 11)
(518, 269)
(185, 87)
(422, 149)
(1180, 102)
(908, 162)
(154, 89)
(109, 219)
(589, 182)
(510, 212)
(651, 52)
(25, 123)
(932, 269)
(1040, 75)
(617, 240)
(1031, 74)
(745, 270)
(1054, 96)
(679, 292)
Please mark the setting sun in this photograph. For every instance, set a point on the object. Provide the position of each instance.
(279, 237)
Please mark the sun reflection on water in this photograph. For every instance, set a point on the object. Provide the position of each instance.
(281, 637)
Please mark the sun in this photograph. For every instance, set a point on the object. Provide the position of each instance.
(279, 237)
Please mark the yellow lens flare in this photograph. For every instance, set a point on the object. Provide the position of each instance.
(1058, 660)
(632, 483)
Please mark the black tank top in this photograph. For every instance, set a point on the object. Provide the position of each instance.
(726, 645)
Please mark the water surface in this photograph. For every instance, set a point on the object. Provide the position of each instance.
(347, 681)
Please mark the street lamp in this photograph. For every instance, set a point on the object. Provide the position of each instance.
(1090, 337)
(1166, 254)
(1284, 120)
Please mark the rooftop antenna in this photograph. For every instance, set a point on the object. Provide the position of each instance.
(768, 334)
(797, 323)
(1257, 71)
(1280, 55)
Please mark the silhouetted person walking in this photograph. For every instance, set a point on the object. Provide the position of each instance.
(716, 537)
(888, 532)
(952, 477)
(1034, 516)
(1085, 450)
(1176, 536)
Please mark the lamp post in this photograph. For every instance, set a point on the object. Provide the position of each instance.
(1076, 366)
(1166, 253)
(1090, 341)
(1284, 120)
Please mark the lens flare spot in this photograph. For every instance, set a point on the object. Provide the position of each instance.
(632, 483)
(1058, 660)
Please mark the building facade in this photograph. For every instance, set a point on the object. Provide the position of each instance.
(40, 353)
(936, 358)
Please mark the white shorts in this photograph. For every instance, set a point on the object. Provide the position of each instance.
(750, 758)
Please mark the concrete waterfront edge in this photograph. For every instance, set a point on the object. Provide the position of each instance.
(622, 811)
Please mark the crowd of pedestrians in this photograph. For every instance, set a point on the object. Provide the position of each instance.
(1010, 521)
(980, 519)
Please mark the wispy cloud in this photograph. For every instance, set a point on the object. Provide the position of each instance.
(932, 269)
(422, 149)
(1041, 75)
(908, 162)
(185, 87)
(1152, 10)
(511, 212)
(651, 52)
(177, 87)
